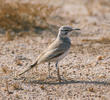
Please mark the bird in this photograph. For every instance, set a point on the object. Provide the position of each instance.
(56, 51)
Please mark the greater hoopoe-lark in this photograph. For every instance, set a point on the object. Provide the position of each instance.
(56, 51)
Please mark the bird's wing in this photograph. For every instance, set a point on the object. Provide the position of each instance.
(45, 56)
(51, 54)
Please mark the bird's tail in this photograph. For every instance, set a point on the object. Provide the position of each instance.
(33, 65)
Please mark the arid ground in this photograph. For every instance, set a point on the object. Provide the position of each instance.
(28, 27)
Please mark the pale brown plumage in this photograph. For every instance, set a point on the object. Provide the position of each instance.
(56, 51)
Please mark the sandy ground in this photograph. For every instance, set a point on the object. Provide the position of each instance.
(85, 70)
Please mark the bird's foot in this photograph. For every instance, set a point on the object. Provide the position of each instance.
(59, 79)
(49, 77)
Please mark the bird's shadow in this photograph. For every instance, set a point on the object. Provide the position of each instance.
(69, 82)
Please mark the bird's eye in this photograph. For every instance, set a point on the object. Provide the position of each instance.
(65, 30)
(66, 33)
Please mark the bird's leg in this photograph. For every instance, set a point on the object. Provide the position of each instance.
(58, 74)
(49, 76)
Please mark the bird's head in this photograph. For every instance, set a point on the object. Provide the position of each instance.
(65, 30)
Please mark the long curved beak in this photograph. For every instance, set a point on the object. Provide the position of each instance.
(75, 29)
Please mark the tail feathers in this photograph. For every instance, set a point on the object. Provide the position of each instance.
(29, 68)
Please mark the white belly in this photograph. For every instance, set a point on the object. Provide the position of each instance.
(61, 56)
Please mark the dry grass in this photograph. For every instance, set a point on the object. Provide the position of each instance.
(101, 39)
(6, 70)
(20, 16)
(93, 6)
(9, 36)
(105, 38)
